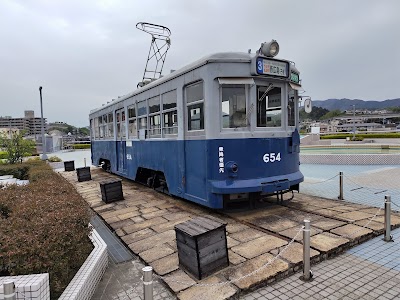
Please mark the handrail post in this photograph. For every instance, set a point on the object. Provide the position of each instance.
(341, 186)
(148, 283)
(9, 290)
(388, 236)
(306, 251)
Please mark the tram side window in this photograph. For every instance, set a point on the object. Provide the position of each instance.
(269, 109)
(170, 117)
(142, 118)
(233, 106)
(154, 117)
(101, 127)
(110, 127)
(195, 106)
(123, 131)
(96, 128)
(105, 126)
(118, 117)
(132, 129)
(92, 129)
(291, 108)
(120, 123)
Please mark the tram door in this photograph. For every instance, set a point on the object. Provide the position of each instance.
(194, 144)
(121, 142)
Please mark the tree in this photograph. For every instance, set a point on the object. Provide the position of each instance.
(395, 109)
(315, 114)
(84, 131)
(16, 147)
(332, 114)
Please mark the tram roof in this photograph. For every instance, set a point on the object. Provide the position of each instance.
(212, 58)
(221, 57)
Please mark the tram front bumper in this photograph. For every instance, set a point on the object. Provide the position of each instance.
(262, 185)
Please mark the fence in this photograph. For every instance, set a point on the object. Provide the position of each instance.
(360, 184)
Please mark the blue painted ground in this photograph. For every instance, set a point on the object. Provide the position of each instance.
(363, 184)
(386, 254)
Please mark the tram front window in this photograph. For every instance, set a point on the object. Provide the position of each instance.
(269, 106)
(233, 106)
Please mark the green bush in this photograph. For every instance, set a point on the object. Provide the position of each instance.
(3, 154)
(35, 158)
(19, 171)
(44, 228)
(388, 135)
(81, 146)
(357, 138)
(54, 159)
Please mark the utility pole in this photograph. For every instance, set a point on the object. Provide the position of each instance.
(44, 156)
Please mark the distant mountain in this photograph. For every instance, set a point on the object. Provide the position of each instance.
(347, 104)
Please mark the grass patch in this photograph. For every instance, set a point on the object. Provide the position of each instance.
(361, 136)
(81, 146)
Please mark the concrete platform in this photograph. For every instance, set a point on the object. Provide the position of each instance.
(146, 218)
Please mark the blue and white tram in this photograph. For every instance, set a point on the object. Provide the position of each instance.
(217, 132)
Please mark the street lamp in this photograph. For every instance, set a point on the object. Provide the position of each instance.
(44, 156)
(354, 122)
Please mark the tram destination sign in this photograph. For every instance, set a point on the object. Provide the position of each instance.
(272, 67)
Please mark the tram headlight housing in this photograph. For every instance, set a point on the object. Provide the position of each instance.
(232, 168)
(270, 49)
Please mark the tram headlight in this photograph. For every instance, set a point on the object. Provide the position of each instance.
(270, 49)
(232, 168)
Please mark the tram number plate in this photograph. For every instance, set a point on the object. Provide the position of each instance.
(272, 157)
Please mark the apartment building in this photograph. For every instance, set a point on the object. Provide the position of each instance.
(29, 124)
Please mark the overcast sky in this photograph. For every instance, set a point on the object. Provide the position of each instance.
(85, 53)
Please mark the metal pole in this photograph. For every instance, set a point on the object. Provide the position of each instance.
(9, 290)
(306, 251)
(388, 236)
(354, 122)
(44, 156)
(148, 283)
(84, 161)
(341, 186)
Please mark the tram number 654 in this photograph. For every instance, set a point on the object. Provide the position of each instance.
(272, 157)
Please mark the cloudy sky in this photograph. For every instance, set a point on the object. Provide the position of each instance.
(86, 52)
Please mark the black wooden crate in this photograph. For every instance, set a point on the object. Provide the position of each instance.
(83, 174)
(111, 190)
(202, 246)
(69, 165)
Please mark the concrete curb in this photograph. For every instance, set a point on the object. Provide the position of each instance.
(83, 285)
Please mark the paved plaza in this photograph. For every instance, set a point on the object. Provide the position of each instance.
(145, 222)
(368, 271)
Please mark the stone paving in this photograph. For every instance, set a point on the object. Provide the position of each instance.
(145, 221)
(368, 271)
